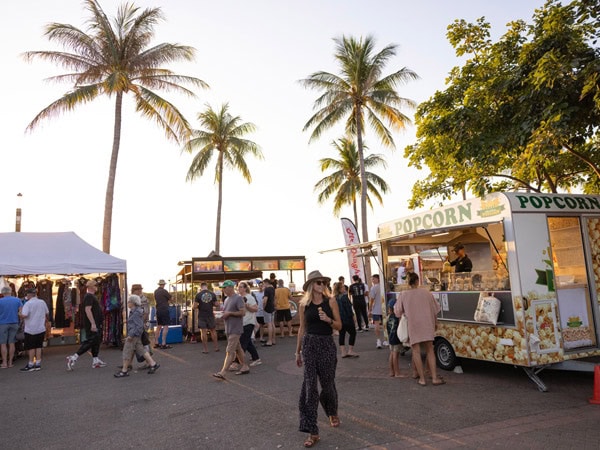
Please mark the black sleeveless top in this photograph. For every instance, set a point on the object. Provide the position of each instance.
(314, 325)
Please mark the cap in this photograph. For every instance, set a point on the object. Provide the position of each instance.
(228, 283)
(161, 282)
(135, 287)
(91, 283)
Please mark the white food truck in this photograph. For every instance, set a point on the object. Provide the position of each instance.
(538, 254)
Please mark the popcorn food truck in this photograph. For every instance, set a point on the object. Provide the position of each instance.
(536, 255)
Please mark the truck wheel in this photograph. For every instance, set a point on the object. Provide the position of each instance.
(444, 354)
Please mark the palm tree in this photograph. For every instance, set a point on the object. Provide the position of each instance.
(112, 59)
(358, 93)
(345, 183)
(222, 133)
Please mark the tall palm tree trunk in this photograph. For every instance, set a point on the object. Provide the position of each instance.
(354, 210)
(219, 203)
(363, 195)
(112, 172)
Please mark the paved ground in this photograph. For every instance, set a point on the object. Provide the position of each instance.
(183, 407)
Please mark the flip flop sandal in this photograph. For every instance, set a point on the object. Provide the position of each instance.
(353, 355)
(121, 374)
(242, 372)
(439, 382)
(424, 383)
(218, 376)
(345, 356)
(311, 441)
(334, 421)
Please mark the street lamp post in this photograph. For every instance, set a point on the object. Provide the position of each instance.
(18, 216)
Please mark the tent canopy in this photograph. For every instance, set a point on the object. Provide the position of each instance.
(53, 253)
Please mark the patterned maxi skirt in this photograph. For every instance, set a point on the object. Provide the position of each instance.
(320, 361)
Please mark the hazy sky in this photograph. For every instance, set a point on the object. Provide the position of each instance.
(252, 54)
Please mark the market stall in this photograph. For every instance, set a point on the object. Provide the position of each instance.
(216, 269)
(59, 265)
(531, 297)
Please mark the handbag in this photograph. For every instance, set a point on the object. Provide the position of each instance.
(402, 331)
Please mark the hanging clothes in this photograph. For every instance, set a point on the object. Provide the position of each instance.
(62, 317)
(110, 295)
(44, 292)
(81, 289)
(27, 284)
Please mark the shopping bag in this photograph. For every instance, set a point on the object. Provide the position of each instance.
(402, 331)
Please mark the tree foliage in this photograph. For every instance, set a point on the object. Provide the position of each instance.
(224, 134)
(344, 182)
(114, 58)
(521, 112)
(360, 94)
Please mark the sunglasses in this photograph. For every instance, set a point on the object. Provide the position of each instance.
(319, 282)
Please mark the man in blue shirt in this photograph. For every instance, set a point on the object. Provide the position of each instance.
(9, 325)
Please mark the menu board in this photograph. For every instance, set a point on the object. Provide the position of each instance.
(208, 266)
(270, 264)
(237, 265)
(291, 264)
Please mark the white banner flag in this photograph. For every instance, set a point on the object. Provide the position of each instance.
(355, 263)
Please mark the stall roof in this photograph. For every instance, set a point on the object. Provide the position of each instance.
(218, 276)
(53, 253)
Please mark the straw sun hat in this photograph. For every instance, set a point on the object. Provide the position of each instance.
(314, 276)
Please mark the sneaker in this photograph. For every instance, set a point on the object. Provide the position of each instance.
(359, 330)
(70, 363)
(379, 343)
(256, 362)
(98, 364)
(153, 369)
(386, 343)
(28, 368)
(37, 367)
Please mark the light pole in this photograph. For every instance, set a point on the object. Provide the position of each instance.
(18, 217)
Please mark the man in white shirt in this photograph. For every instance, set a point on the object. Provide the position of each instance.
(35, 314)
(375, 307)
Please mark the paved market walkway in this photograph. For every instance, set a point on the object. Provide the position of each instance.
(183, 407)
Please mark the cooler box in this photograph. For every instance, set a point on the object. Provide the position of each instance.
(174, 314)
(174, 335)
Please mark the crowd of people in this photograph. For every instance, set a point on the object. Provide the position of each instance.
(251, 316)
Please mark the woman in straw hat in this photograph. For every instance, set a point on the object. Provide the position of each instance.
(319, 316)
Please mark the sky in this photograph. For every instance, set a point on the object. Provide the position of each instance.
(252, 54)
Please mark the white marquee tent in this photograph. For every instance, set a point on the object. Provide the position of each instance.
(53, 253)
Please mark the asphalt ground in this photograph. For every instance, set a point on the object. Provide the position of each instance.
(182, 406)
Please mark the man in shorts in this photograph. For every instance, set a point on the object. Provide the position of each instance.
(204, 303)
(35, 314)
(283, 313)
(234, 310)
(163, 319)
(10, 307)
(375, 308)
(133, 341)
(269, 309)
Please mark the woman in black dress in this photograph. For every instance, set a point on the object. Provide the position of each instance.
(319, 316)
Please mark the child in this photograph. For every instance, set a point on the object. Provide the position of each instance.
(392, 327)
